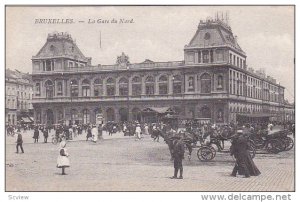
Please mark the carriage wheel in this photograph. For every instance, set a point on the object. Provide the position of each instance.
(54, 140)
(274, 146)
(205, 153)
(289, 143)
(259, 143)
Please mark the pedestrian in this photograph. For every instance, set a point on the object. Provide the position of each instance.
(244, 164)
(94, 132)
(62, 159)
(19, 142)
(138, 131)
(45, 133)
(89, 133)
(146, 129)
(178, 154)
(36, 135)
(100, 129)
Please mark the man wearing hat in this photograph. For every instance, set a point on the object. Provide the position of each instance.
(178, 154)
(19, 142)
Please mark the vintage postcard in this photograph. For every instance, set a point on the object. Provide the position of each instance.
(150, 98)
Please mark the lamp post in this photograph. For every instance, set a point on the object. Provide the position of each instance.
(71, 101)
(128, 77)
(173, 79)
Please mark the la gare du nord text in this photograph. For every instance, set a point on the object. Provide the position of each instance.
(90, 21)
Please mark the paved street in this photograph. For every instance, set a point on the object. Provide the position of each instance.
(120, 163)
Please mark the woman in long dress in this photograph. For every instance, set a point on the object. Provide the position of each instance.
(62, 159)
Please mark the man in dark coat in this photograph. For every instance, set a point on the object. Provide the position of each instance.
(36, 135)
(19, 143)
(45, 133)
(240, 150)
(178, 154)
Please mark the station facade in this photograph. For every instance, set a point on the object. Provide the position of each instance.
(212, 83)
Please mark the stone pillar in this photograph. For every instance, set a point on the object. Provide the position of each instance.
(92, 89)
(80, 88)
(67, 87)
(129, 86)
(117, 89)
(196, 82)
(196, 57)
(143, 86)
(156, 86)
(104, 87)
(170, 84)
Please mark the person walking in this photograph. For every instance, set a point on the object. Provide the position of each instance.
(19, 142)
(244, 164)
(178, 154)
(89, 133)
(63, 158)
(146, 128)
(36, 135)
(138, 131)
(45, 133)
(94, 133)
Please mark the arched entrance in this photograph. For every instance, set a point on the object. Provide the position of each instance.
(123, 114)
(50, 117)
(136, 115)
(86, 116)
(110, 114)
(205, 112)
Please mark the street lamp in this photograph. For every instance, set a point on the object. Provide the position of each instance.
(173, 79)
(128, 77)
(71, 101)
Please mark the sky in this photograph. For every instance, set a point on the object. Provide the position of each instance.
(158, 33)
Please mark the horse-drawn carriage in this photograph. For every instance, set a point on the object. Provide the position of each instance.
(273, 142)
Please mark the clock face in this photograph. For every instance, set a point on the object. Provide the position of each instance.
(207, 36)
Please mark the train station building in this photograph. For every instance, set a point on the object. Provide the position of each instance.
(212, 83)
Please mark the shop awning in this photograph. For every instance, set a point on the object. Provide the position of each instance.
(26, 120)
(159, 110)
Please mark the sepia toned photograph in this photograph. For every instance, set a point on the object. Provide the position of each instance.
(149, 98)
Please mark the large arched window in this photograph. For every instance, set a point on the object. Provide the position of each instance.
(136, 86)
(123, 87)
(98, 89)
(191, 84)
(163, 85)
(74, 88)
(136, 114)
(123, 114)
(60, 116)
(37, 89)
(205, 83)
(86, 89)
(110, 114)
(86, 116)
(49, 89)
(59, 88)
(220, 82)
(177, 84)
(150, 85)
(110, 87)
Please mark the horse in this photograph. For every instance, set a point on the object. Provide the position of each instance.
(170, 136)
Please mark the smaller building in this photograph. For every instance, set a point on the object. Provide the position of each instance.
(18, 97)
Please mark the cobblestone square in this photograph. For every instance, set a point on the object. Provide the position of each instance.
(120, 163)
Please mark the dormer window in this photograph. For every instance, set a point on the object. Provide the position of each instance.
(52, 48)
(207, 36)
